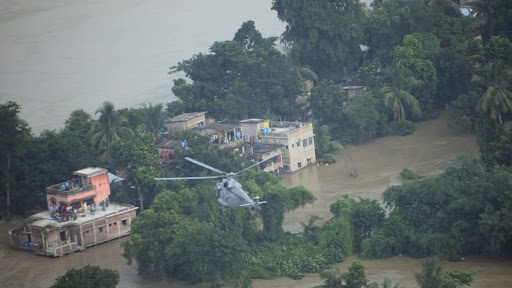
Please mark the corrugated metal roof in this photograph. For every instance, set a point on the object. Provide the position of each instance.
(184, 117)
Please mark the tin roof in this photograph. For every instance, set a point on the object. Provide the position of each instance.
(184, 117)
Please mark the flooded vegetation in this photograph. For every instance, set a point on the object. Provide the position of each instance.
(431, 149)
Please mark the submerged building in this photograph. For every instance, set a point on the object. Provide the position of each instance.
(295, 138)
(79, 215)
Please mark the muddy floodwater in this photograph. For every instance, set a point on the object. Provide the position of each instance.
(378, 163)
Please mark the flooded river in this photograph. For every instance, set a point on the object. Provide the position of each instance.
(60, 55)
(429, 151)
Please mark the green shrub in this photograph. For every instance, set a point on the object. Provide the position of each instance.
(401, 128)
(409, 175)
(328, 158)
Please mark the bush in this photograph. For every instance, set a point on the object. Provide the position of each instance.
(401, 128)
(328, 158)
(88, 277)
(409, 175)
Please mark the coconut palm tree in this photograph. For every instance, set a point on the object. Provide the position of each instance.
(396, 96)
(108, 129)
(496, 98)
(154, 117)
(483, 9)
(432, 274)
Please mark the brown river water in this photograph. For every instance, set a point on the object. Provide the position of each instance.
(429, 151)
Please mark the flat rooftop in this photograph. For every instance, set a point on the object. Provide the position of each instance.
(44, 219)
(90, 171)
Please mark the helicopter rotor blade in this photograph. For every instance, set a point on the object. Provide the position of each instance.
(205, 166)
(253, 165)
(188, 178)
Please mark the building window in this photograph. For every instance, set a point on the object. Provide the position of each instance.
(87, 231)
(124, 222)
(100, 229)
(310, 140)
(293, 145)
(305, 143)
(286, 147)
(298, 143)
(63, 236)
(299, 164)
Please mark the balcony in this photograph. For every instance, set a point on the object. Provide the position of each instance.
(232, 144)
(66, 189)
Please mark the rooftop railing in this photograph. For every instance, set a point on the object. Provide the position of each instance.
(66, 189)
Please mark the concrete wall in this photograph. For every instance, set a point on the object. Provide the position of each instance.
(105, 229)
(295, 154)
(102, 187)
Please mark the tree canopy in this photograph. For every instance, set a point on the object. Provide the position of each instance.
(88, 277)
(324, 35)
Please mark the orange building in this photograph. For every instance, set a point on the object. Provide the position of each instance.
(87, 185)
(79, 215)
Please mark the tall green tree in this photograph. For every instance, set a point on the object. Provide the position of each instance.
(108, 129)
(88, 277)
(245, 77)
(397, 98)
(14, 133)
(496, 84)
(138, 159)
(324, 35)
(326, 103)
(390, 20)
(154, 117)
(415, 54)
(494, 16)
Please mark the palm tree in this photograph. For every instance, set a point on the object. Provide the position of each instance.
(483, 9)
(432, 274)
(154, 118)
(396, 96)
(497, 96)
(108, 129)
(385, 284)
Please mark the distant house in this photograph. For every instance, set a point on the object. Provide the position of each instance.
(352, 90)
(166, 148)
(270, 154)
(226, 135)
(79, 215)
(185, 121)
(295, 138)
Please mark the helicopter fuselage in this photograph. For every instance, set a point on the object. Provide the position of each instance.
(232, 195)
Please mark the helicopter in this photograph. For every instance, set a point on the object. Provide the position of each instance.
(229, 191)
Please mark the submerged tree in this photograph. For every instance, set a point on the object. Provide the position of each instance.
(433, 276)
(88, 277)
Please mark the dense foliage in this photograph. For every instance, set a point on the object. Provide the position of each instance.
(88, 277)
(420, 56)
(242, 78)
(466, 210)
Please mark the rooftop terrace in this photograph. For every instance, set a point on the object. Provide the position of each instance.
(44, 219)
